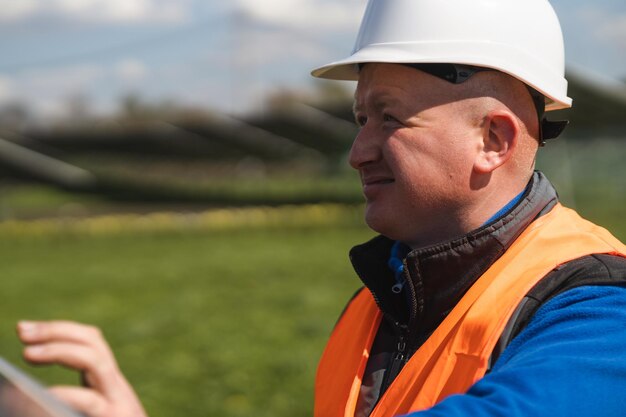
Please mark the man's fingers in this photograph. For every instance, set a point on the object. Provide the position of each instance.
(101, 372)
(83, 400)
(83, 348)
(39, 332)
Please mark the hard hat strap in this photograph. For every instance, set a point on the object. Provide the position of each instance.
(453, 73)
(458, 73)
(547, 129)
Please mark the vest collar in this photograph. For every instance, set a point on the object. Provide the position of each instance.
(437, 276)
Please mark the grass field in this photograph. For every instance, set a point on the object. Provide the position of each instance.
(225, 312)
(227, 323)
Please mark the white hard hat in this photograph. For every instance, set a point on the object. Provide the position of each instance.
(519, 37)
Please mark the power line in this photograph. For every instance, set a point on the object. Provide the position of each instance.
(120, 48)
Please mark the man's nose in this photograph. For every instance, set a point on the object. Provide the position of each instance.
(365, 149)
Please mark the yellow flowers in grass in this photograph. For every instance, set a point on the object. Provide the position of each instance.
(209, 220)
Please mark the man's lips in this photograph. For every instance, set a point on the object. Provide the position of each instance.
(381, 181)
(372, 183)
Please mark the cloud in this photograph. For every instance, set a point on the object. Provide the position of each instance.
(130, 70)
(282, 40)
(49, 91)
(306, 14)
(607, 25)
(614, 29)
(97, 11)
(65, 79)
(16, 10)
(6, 88)
(256, 50)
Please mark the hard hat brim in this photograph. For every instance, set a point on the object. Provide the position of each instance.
(510, 61)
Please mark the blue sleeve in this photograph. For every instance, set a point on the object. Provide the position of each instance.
(569, 361)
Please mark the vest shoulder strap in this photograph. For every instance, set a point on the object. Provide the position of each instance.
(599, 269)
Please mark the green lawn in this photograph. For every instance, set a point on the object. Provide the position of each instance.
(204, 323)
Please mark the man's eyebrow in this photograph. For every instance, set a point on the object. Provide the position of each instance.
(379, 102)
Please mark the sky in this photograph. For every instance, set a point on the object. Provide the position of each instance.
(222, 55)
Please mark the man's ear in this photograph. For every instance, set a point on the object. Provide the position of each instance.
(501, 131)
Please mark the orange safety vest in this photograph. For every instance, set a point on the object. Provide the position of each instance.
(455, 356)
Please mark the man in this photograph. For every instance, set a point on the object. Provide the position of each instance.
(450, 99)
(484, 296)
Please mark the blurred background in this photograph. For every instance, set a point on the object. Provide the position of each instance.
(170, 172)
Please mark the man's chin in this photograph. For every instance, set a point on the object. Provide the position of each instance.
(379, 219)
(388, 222)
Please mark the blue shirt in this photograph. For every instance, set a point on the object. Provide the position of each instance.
(570, 361)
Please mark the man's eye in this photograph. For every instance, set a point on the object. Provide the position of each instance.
(389, 118)
(360, 121)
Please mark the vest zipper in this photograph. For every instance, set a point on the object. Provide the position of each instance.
(399, 357)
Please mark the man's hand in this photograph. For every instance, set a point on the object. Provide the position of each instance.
(81, 347)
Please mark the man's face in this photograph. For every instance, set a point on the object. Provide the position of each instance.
(414, 152)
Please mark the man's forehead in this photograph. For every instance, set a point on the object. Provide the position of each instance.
(390, 85)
